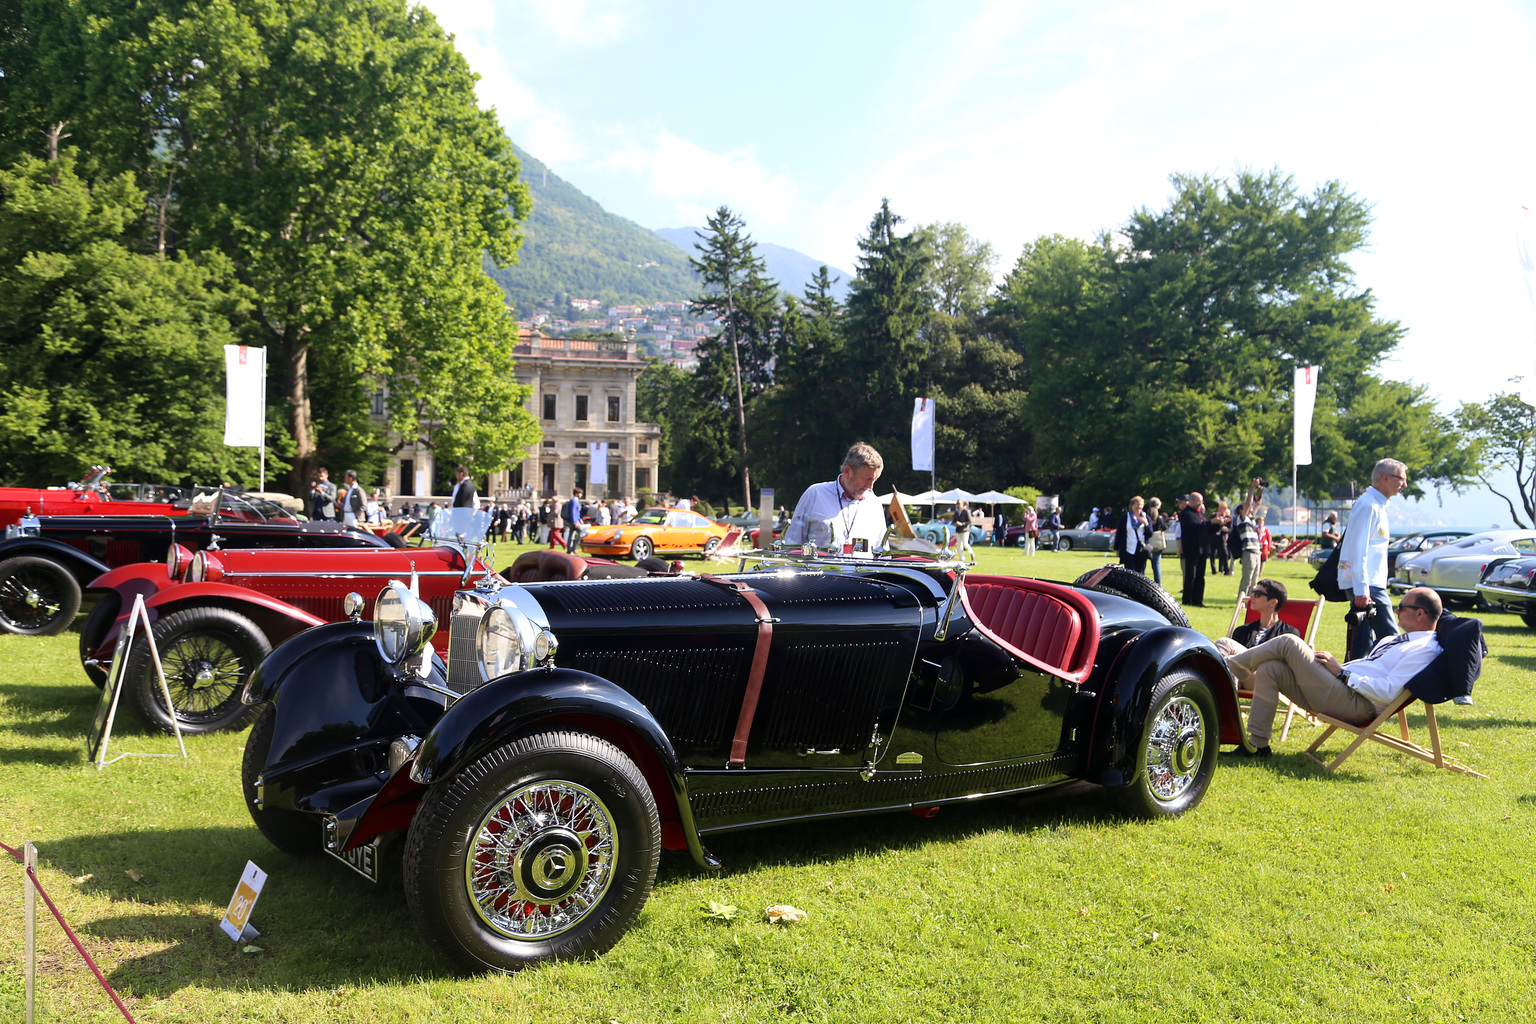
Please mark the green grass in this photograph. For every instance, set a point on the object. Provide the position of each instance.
(1386, 892)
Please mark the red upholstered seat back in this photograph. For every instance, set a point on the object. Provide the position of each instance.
(1047, 624)
(546, 567)
(1292, 613)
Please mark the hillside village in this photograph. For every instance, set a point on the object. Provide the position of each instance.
(664, 330)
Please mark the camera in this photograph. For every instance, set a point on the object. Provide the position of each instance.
(1262, 483)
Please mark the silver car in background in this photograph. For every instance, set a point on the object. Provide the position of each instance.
(1453, 570)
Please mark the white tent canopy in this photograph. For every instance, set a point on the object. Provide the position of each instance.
(998, 498)
(955, 494)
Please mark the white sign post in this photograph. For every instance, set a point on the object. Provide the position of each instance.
(1304, 401)
(29, 872)
(236, 922)
(100, 736)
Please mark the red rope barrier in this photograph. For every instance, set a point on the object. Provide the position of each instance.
(32, 875)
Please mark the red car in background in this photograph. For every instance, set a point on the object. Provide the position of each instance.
(94, 496)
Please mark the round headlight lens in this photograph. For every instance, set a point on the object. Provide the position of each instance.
(499, 644)
(402, 623)
(175, 560)
(544, 647)
(198, 569)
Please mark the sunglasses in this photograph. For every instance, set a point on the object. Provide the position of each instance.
(1404, 606)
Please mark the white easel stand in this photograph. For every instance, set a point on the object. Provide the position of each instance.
(115, 681)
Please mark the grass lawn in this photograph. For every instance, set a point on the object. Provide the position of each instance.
(1386, 892)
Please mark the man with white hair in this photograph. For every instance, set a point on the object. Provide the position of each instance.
(842, 514)
(1363, 555)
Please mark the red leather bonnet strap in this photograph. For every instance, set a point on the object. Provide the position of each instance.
(759, 665)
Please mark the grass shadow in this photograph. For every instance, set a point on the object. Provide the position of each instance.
(306, 904)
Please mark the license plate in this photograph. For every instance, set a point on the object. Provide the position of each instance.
(363, 859)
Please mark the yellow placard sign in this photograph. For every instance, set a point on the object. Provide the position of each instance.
(238, 916)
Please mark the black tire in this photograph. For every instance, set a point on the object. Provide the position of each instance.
(711, 546)
(1128, 583)
(1176, 752)
(642, 549)
(394, 540)
(95, 629)
(290, 831)
(1063, 543)
(38, 596)
(207, 654)
(581, 784)
(1529, 618)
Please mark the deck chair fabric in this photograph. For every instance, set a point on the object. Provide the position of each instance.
(1304, 615)
(1452, 674)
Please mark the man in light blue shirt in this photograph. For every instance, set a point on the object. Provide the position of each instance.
(1363, 555)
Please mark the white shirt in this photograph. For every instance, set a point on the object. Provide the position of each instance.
(1381, 675)
(1363, 554)
(1132, 533)
(827, 517)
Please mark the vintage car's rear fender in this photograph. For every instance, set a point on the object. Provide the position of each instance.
(1132, 677)
(490, 715)
(80, 565)
(226, 595)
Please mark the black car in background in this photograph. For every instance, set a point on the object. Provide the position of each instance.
(47, 562)
(576, 729)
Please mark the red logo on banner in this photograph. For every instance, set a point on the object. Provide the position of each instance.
(242, 355)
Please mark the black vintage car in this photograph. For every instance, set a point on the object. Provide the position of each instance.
(1506, 582)
(577, 728)
(46, 562)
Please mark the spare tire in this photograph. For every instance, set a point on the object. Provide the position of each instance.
(1132, 585)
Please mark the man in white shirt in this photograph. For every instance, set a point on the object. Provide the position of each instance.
(842, 514)
(1363, 555)
(1356, 691)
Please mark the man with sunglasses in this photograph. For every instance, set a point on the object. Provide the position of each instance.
(1363, 555)
(1267, 598)
(1355, 691)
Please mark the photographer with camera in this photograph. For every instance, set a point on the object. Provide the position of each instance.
(1246, 528)
(322, 495)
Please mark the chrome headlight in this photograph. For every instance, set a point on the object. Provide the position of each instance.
(176, 559)
(402, 623)
(499, 645)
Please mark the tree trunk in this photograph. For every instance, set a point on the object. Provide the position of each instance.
(296, 363)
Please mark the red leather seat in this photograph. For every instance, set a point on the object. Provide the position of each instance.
(1051, 626)
(546, 567)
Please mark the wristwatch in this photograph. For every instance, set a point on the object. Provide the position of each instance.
(1344, 677)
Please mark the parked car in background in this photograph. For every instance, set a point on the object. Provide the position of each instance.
(1079, 538)
(94, 495)
(1453, 569)
(1506, 583)
(656, 530)
(576, 729)
(938, 531)
(46, 562)
(1422, 541)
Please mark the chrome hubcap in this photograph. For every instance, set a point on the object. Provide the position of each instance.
(541, 860)
(1175, 744)
(33, 599)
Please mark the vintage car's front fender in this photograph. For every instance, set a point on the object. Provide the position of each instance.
(77, 563)
(267, 680)
(231, 596)
(1132, 677)
(491, 714)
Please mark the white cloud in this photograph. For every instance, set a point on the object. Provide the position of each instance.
(695, 181)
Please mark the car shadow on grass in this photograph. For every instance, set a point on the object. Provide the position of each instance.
(322, 926)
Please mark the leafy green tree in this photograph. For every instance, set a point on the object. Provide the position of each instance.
(105, 350)
(333, 151)
(961, 275)
(1502, 432)
(739, 294)
(888, 304)
(1166, 364)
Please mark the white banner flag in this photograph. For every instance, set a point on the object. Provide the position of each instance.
(922, 435)
(245, 396)
(598, 472)
(1525, 253)
(1305, 390)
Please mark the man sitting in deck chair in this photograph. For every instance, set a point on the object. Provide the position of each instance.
(1356, 691)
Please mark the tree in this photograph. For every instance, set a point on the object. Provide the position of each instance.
(1502, 432)
(333, 151)
(961, 275)
(740, 295)
(888, 304)
(1165, 364)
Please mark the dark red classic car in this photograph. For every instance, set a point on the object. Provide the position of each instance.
(217, 614)
(46, 562)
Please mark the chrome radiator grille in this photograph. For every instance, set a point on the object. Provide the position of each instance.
(463, 665)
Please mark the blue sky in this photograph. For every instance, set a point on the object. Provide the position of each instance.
(1020, 119)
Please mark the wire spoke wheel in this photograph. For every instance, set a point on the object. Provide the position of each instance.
(1175, 742)
(541, 860)
(37, 596)
(204, 672)
(207, 654)
(1176, 753)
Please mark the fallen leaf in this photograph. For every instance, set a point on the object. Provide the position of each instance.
(720, 911)
(783, 913)
(1083, 912)
(251, 949)
(1389, 887)
(85, 878)
(135, 874)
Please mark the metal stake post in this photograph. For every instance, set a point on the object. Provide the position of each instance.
(29, 872)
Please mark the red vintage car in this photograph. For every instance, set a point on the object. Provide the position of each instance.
(217, 613)
(94, 496)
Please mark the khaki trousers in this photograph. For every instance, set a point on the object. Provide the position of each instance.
(1285, 665)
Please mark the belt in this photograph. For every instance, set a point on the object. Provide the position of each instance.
(759, 665)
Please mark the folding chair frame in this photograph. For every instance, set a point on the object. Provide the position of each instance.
(1401, 743)
(1309, 635)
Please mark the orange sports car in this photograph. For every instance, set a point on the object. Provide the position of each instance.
(656, 529)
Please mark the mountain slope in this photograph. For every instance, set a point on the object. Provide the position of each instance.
(572, 246)
(791, 268)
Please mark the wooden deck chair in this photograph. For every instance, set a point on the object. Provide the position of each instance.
(1451, 674)
(729, 543)
(1305, 616)
(1296, 549)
